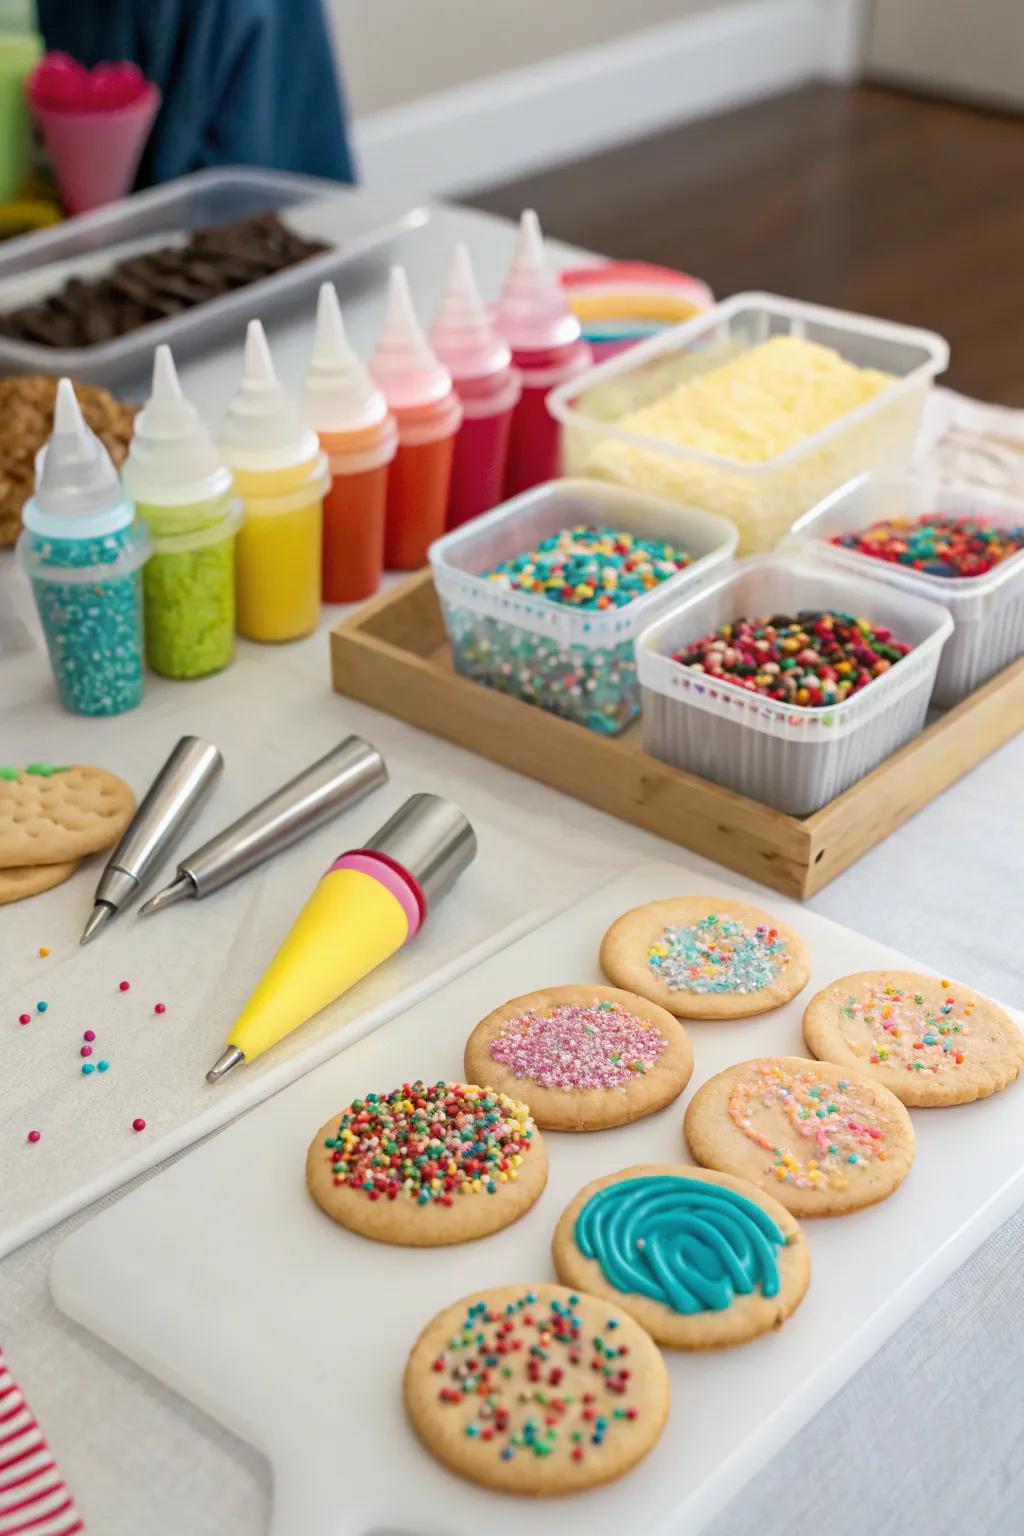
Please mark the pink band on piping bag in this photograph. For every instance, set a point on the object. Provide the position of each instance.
(391, 877)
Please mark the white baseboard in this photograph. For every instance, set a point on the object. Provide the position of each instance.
(524, 120)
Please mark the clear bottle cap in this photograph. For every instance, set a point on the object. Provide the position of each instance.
(463, 335)
(78, 493)
(404, 364)
(339, 394)
(533, 312)
(173, 460)
(262, 429)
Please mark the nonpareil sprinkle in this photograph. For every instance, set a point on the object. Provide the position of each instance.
(430, 1143)
(937, 544)
(806, 660)
(602, 1046)
(590, 568)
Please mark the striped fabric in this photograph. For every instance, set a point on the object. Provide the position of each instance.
(34, 1500)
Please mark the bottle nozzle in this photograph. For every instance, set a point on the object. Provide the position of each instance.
(533, 312)
(173, 460)
(339, 394)
(77, 486)
(462, 334)
(404, 364)
(262, 429)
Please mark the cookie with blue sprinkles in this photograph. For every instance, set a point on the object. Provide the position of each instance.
(704, 957)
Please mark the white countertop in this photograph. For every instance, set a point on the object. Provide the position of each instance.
(926, 1437)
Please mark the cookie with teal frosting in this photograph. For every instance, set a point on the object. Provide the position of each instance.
(701, 1260)
(706, 957)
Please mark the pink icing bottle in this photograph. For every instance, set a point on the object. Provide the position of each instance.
(418, 389)
(533, 315)
(480, 363)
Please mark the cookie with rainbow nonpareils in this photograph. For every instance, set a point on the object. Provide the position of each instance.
(705, 957)
(536, 1390)
(701, 1260)
(428, 1164)
(583, 1057)
(930, 1041)
(820, 1138)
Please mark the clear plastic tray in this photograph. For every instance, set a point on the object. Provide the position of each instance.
(793, 759)
(761, 499)
(987, 611)
(577, 664)
(33, 266)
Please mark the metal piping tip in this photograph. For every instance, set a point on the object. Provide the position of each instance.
(101, 913)
(231, 1057)
(178, 889)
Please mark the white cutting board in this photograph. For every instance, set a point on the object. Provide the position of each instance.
(222, 1277)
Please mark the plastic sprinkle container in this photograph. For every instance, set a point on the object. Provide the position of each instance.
(761, 498)
(190, 589)
(987, 610)
(795, 759)
(575, 662)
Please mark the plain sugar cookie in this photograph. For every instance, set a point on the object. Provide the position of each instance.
(703, 957)
(583, 1058)
(426, 1165)
(931, 1042)
(31, 879)
(821, 1139)
(700, 1260)
(536, 1390)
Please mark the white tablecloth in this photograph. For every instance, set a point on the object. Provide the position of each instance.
(926, 1439)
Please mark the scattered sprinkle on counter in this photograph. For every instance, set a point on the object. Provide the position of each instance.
(43, 951)
(90, 1035)
(24, 1018)
(35, 1136)
(160, 1008)
(42, 1007)
(138, 1124)
(936, 545)
(87, 1069)
(590, 568)
(812, 659)
(123, 986)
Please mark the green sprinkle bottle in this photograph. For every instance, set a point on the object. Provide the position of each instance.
(184, 496)
(83, 550)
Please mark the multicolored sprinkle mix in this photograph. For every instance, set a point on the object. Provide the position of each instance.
(430, 1143)
(718, 954)
(602, 1046)
(508, 1364)
(815, 658)
(842, 1128)
(590, 568)
(912, 1032)
(936, 544)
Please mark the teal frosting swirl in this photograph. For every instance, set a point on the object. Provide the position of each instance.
(693, 1246)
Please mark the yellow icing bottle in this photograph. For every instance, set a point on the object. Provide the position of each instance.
(369, 903)
(281, 476)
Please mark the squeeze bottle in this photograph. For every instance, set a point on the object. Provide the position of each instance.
(533, 315)
(480, 363)
(368, 904)
(359, 436)
(183, 493)
(418, 389)
(83, 549)
(281, 476)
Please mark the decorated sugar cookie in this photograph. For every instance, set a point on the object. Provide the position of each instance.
(822, 1139)
(427, 1165)
(931, 1041)
(703, 957)
(701, 1260)
(536, 1390)
(582, 1057)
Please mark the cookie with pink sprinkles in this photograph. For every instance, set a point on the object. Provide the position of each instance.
(582, 1057)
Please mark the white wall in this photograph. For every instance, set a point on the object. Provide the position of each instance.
(972, 47)
(395, 51)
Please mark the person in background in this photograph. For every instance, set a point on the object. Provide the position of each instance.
(244, 82)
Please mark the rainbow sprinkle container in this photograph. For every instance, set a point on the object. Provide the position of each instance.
(83, 551)
(987, 609)
(791, 757)
(569, 650)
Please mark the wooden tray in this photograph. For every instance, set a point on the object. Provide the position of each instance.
(393, 654)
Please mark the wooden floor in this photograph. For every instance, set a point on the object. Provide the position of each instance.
(864, 198)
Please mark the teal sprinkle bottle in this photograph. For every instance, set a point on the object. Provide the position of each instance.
(83, 551)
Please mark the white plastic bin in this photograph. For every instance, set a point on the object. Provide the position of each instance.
(762, 499)
(793, 759)
(575, 663)
(987, 611)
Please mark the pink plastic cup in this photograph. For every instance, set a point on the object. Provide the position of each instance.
(96, 154)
